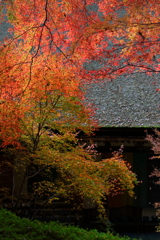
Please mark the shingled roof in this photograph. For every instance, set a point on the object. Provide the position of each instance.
(132, 101)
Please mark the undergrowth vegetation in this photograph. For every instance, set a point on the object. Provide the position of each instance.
(15, 228)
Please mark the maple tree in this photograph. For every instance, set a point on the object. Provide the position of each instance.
(155, 141)
(45, 139)
(44, 66)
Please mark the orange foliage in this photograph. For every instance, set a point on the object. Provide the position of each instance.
(53, 40)
(41, 86)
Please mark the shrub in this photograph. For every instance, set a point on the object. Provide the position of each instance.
(15, 228)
